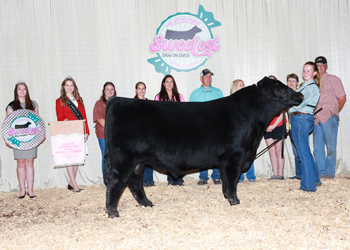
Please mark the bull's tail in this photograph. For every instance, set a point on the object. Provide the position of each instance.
(106, 166)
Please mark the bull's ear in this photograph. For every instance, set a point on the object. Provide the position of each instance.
(266, 87)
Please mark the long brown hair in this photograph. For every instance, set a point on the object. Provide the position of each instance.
(163, 94)
(103, 98)
(17, 102)
(317, 77)
(136, 86)
(63, 97)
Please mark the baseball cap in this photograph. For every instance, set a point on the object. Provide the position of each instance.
(205, 72)
(321, 59)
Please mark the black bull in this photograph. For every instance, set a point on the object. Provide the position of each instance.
(177, 137)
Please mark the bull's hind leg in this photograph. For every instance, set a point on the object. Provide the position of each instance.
(136, 187)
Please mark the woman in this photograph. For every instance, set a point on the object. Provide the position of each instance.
(274, 132)
(70, 100)
(140, 90)
(99, 116)
(235, 86)
(25, 158)
(293, 82)
(168, 92)
(302, 120)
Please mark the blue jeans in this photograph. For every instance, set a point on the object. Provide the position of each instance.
(102, 147)
(326, 134)
(148, 176)
(249, 174)
(203, 175)
(302, 126)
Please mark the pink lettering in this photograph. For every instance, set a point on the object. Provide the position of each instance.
(180, 45)
(156, 45)
(188, 45)
(197, 48)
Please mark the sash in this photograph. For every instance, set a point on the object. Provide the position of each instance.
(74, 110)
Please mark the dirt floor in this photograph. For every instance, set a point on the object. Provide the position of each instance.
(272, 215)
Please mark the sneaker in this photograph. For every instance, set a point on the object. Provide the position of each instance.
(217, 181)
(251, 180)
(294, 177)
(202, 182)
(274, 177)
(280, 177)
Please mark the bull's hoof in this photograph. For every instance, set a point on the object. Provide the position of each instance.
(234, 202)
(147, 203)
(113, 214)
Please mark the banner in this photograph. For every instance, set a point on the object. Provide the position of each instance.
(67, 143)
(184, 41)
(23, 129)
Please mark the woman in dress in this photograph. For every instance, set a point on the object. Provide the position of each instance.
(25, 158)
(168, 92)
(302, 120)
(250, 174)
(70, 97)
(274, 132)
(140, 90)
(99, 116)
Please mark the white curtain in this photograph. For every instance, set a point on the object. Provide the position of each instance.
(95, 41)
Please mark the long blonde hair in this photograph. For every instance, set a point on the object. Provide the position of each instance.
(234, 85)
(63, 97)
(317, 77)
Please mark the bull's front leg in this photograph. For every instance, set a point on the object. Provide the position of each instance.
(230, 177)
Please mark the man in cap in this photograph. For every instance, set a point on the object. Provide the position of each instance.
(332, 100)
(205, 93)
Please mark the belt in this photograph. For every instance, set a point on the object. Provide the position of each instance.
(299, 113)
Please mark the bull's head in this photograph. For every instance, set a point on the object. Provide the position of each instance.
(276, 91)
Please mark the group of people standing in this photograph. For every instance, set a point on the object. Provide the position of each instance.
(324, 98)
(321, 91)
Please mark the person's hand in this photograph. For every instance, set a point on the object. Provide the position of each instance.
(86, 136)
(7, 144)
(270, 128)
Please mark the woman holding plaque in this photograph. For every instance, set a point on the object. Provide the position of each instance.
(99, 116)
(70, 106)
(25, 158)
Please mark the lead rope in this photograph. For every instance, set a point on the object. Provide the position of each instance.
(275, 142)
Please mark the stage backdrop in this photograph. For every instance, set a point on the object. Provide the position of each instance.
(44, 41)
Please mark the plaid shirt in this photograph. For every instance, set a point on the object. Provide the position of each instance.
(332, 90)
